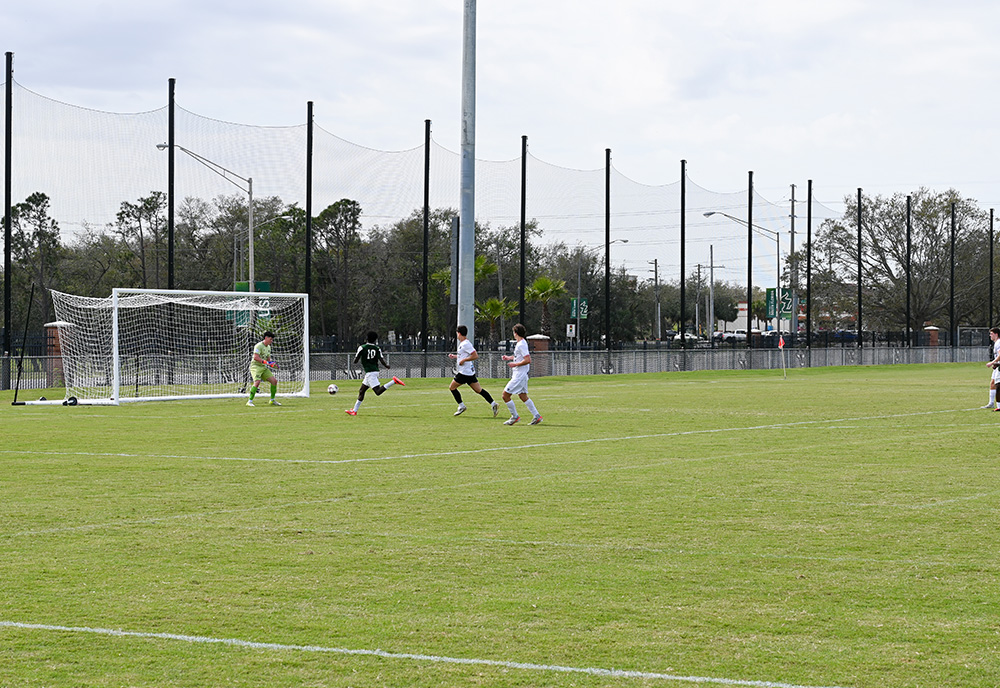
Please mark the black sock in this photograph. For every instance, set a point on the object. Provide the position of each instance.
(458, 395)
(486, 396)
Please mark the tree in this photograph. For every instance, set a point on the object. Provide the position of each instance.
(543, 290)
(36, 251)
(337, 232)
(141, 226)
(492, 311)
(884, 259)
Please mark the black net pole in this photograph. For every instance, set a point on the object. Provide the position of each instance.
(910, 330)
(8, 123)
(683, 252)
(170, 183)
(861, 338)
(749, 260)
(309, 195)
(427, 235)
(524, 208)
(952, 325)
(809, 253)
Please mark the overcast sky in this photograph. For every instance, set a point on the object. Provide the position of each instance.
(886, 95)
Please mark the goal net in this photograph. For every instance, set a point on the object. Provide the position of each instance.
(150, 344)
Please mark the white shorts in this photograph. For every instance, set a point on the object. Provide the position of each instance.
(517, 385)
(371, 380)
(996, 375)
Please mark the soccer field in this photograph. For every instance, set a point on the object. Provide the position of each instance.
(836, 528)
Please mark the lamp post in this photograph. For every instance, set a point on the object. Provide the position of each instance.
(770, 234)
(579, 278)
(228, 176)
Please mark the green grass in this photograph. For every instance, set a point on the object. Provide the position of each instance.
(838, 528)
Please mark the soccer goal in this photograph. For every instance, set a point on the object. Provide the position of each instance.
(152, 344)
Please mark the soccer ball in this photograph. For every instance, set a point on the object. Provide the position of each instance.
(332, 389)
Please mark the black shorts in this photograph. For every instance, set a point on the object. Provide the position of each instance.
(465, 379)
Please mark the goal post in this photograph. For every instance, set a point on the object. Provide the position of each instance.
(167, 344)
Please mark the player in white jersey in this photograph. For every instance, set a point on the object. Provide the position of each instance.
(995, 366)
(465, 372)
(520, 364)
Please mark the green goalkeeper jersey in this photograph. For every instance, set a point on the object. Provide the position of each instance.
(262, 350)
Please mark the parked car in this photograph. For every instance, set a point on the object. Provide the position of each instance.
(735, 336)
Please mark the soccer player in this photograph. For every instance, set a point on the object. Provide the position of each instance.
(370, 356)
(465, 373)
(995, 365)
(519, 364)
(262, 367)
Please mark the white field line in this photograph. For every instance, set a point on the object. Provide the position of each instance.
(160, 519)
(504, 664)
(457, 452)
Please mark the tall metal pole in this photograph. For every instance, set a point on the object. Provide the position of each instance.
(749, 256)
(656, 295)
(683, 246)
(793, 276)
(952, 325)
(860, 327)
(524, 230)
(7, 219)
(579, 295)
(309, 195)
(252, 284)
(424, 282)
(467, 209)
(809, 243)
(607, 251)
(989, 313)
(910, 330)
(170, 183)
(711, 294)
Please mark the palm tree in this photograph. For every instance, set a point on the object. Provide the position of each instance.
(544, 289)
(492, 310)
(483, 268)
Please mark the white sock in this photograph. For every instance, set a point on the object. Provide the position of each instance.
(389, 384)
(510, 405)
(357, 406)
(531, 407)
(993, 397)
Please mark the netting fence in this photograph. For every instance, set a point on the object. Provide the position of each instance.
(93, 166)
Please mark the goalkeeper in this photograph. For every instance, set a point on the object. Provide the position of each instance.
(262, 368)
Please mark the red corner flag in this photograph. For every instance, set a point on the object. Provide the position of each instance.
(781, 342)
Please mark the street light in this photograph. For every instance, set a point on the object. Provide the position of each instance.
(579, 277)
(770, 234)
(228, 176)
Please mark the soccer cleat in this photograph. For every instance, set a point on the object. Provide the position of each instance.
(496, 408)
(398, 381)
(461, 410)
(249, 402)
(536, 420)
(351, 412)
(274, 402)
(512, 420)
(988, 406)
